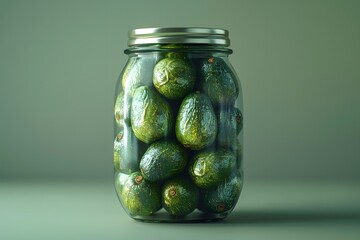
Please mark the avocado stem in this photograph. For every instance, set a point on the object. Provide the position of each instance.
(172, 192)
(138, 179)
(220, 207)
(119, 136)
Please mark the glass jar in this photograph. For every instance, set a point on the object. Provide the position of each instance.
(178, 126)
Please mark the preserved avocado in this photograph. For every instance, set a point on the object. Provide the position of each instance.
(120, 179)
(196, 124)
(122, 109)
(218, 81)
(174, 76)
(133, 77)
(210, 168)
(239, 120)
(151, 116)
(140, 197)
(229, 125)
(127, 152)
(223, 197)
(180, 196)
(238, 149)
(162, 160)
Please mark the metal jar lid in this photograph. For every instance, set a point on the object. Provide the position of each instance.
(178, 35)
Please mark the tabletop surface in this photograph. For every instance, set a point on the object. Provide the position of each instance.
(266, 210)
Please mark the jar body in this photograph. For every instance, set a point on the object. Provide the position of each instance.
(178, 135)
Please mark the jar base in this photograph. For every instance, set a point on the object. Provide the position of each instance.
(196, 217)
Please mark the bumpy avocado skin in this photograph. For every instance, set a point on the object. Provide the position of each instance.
(223, 197)
(151, 116)
(120, 179)
(140, 197)
(179, 196)
(239, 120)
(162, 160)
(127, 151)
(137, 73)
(238, 149)
(218, 81)
(196, 124)
(229, 124)
(122, 109)
(210, 168)
(174, 76)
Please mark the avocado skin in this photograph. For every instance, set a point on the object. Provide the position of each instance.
(140, 199)
(137, 72)
(122, 109)
(239, 120)
(179, 196)
(120, 179)
(196, 124)
(238, 149)
(162, 160)
(127, 151)
(174, 77)
(223, 197)
(210, 168)
(218, 81)
(151, 116)
(229, 124)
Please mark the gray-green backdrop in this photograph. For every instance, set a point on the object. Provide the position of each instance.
(299, 63)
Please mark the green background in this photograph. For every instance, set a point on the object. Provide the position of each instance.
(298, 61)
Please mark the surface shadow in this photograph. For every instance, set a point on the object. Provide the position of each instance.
(290, 216)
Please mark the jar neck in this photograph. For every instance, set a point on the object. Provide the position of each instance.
(187, 48)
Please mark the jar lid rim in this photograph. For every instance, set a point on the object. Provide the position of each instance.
(178, 35)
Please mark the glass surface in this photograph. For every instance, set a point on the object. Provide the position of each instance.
(178, 134)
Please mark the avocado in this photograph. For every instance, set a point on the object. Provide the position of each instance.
(174, 76)
(127, 152)
(238, 149)
(218, 81)
(209, 168)
(137, 72)
(239, 120)
(162, 160)
(120, 179)
(122, 109)
(196, 124)
(223, 197)
(179, 196)
(140, 197)
(151, 116)
(229, 124)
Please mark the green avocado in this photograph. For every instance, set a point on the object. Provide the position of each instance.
(137, 72)
(162, 160)
(229, 124)
(127, 152)
(210, 168)
(239, 120)
(238, 149)
(196, 124)
(174, 76)
(120, 179)
(223, 197)
(122, 109)
(179, 196)
(218, 81)
(140, 197)
(151, 116)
